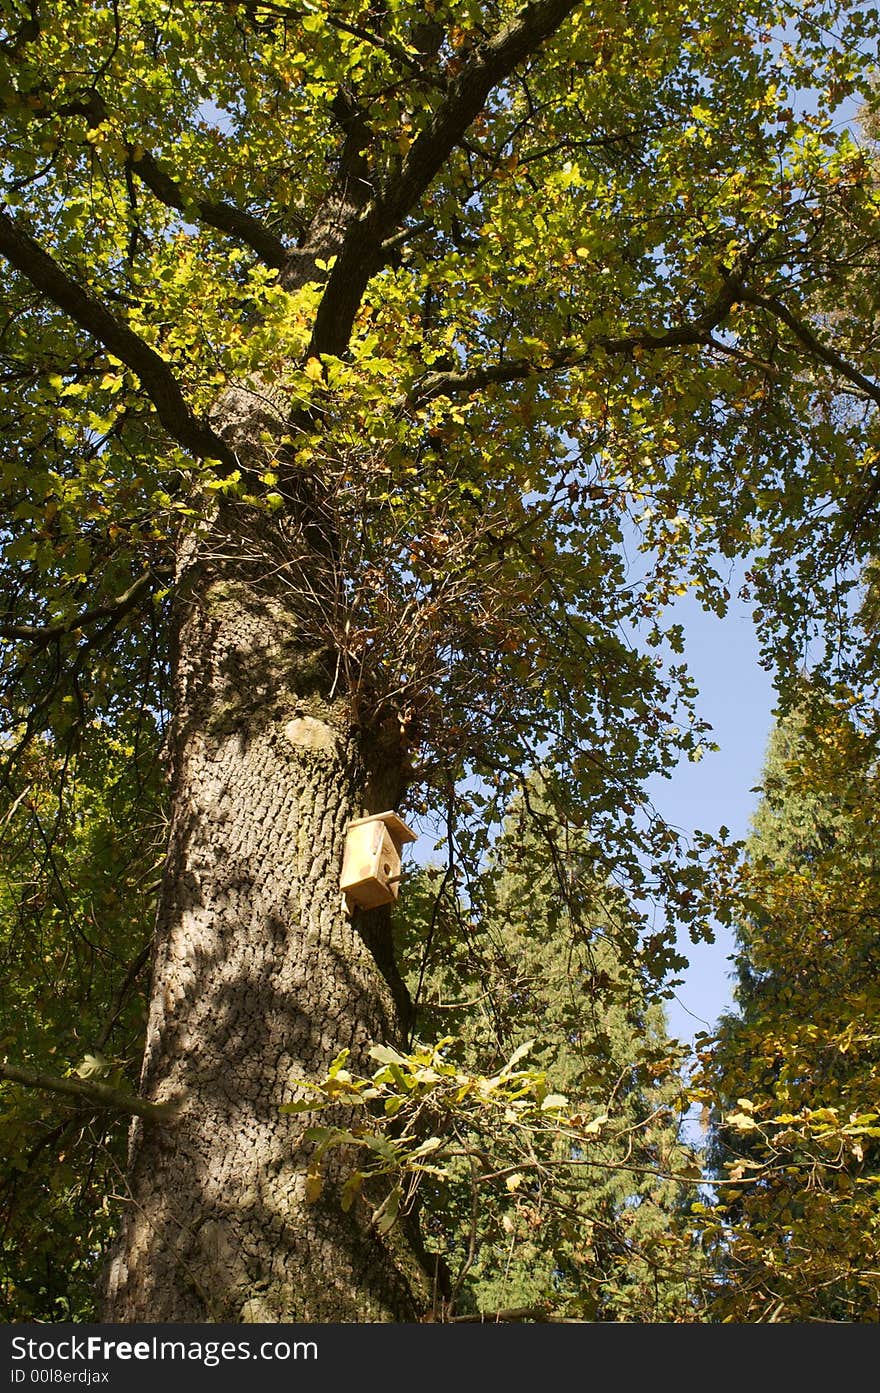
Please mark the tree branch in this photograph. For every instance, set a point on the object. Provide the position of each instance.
(219, 214)
(224, 216)
(94, 1095)
(491, 64)
(91, 314)
(360, 254)
(132, 973)
(692, 333)
(386, 46)
(115, 609)
(812, 343)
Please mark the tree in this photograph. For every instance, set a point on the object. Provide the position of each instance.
(346, 350)
(794, 1074)
(585, 1222)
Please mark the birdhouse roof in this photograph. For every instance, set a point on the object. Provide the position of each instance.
(396, 826)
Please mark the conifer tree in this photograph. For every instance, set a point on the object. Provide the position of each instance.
(597, 1230)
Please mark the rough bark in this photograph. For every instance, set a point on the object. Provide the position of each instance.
(259, 977)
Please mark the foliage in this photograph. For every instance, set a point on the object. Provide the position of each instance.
(795, 1076)
(579, 330)
(541, 1142)
(77, 899)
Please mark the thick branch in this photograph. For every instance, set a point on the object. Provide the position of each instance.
(92, 315)
(692, 333)
(491, 64)
(221, 215)
(93, 1095)
(360, 254)
(452, 384)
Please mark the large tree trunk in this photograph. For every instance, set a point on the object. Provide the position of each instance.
(259, 976)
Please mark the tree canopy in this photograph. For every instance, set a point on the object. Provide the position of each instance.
(579, 304)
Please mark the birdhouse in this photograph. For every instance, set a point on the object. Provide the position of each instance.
(371, 865)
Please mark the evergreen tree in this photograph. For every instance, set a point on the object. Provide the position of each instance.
(544, 953)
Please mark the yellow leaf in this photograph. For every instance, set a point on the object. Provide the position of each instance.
(553, 1102)
(741, 1121)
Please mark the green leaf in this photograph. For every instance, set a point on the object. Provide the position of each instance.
(386, 1218)
(383, 1054)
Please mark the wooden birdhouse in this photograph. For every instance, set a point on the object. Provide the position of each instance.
(371, 865)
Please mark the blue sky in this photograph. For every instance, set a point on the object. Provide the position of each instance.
(737, 697)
